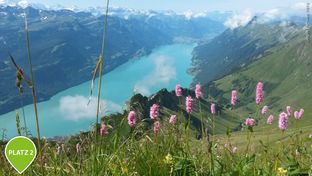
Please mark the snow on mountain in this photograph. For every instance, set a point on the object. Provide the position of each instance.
(125, 13)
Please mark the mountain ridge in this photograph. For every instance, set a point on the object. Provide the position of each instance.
(236, 48)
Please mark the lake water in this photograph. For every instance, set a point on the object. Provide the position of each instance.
(67, 112)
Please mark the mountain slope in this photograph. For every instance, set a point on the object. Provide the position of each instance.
(235, 48)
(287, 77)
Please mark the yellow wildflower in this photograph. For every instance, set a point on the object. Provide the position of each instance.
(168, 159)
(281, 171)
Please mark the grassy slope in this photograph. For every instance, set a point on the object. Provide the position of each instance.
(170, 104)
(287, 78)
(227, 52)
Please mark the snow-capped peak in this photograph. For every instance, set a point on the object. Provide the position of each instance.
(189, 14)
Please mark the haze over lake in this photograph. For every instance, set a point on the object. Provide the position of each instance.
(67, 112)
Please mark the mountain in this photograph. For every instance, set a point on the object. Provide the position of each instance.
(233, 49)
(66, 44)
(287, 77)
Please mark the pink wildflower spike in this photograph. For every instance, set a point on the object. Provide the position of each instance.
(289, 111)
(78, 147)
(213, 108)
(259, 93)
(103, 130)
(270, 120)
(234, 97)
(154, 111)
(296, 115)
(198, 92)
(264, 110)
(189, 104)
(301, 112)
(156, 127)
(178, 90)
(173, 119)
(250, 122)
(283, 121)
(131, 119)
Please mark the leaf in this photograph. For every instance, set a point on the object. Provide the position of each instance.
(95, 72)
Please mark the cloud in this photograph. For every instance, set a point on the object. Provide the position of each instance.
(2, 2)
(238, 20)
(300, 6)
(163, 73)
(189, 14)
(273, 15)
(23, 3)
(75, 107)
(276, 14)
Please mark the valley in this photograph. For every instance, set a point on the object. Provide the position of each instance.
(67, 60)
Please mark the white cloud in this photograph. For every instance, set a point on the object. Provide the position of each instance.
(238, 20)
(75, 107)
(23, 3)
(273, 14)
(276, 14)
(163, 73)
(300, 6)
(2, 2)
(190, 14)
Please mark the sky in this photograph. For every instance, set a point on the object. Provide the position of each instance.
(178, 5)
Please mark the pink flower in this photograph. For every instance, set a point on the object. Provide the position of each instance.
(289, 111)
(296, 115)
(173, 119)
(234, 97)
(178, 90)
(189, 104)
(264, 110)
(213, 108)
(78, 147)
(259, 93)
(301, 112)
(283, 121)
(198, 92)
(156, 127)
(250, 122)
(131, 119)
(154, 111)
(103, 130)
(270, 120)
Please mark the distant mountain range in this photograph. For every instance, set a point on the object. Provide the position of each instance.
(65, 44)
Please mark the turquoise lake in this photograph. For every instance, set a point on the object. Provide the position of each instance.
(67, 113)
